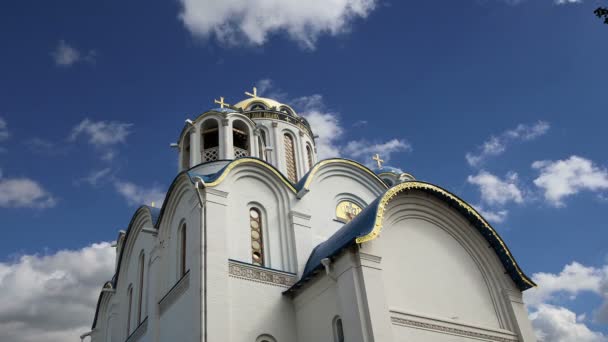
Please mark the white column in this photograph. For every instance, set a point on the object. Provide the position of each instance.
(303, 160)
(279, 162)
(195, 146)
(520, 314)
(226, 149)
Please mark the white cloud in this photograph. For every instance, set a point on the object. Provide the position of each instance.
(572, 280)
(102, 133)
(253, 21)
(4, 134)
(496, 191)
(52, 297)
(24, 193)
(558, 324)
(96, 176)
(365, 149)
(66, 55)
(562, 178)
(492, 215)
(137, 195)
(496, 145)
(565, 2)
(329, 131)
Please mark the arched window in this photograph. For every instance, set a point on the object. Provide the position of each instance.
(240, 139)
(140, 287)
(338, 329)
(186, 152)
(265, 338)
(257, 241)
(262, 145)
(210, 141)
(130, 304)
(309, 156)
(182, 250)
(290, 157)
(257, 106)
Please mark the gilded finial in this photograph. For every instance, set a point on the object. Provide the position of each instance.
(221, 102)
(254, 94)
(153, 204)
(378, 160)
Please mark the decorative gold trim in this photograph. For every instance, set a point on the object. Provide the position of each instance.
(237, 162)
(394, 191)
(344, 161)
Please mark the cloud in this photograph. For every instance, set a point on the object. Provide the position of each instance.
(365, 148)
(496, 191)
(45, 147)
(572, 280)
(96, 177)
(52, 297)
(493, 216)
(103, 135)
(558, 324)
(566, 2)
(65, 55)
(4, 134)
(252, 21)
(496, 145)
(328, 129)
(137, 195)
(24, 193)
(562, 178)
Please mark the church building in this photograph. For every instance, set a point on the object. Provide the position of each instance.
(258, 241)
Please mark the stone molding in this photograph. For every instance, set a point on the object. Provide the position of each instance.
(139, 331)
(176, 291)
(438, 325)
(449, 330)
(260, 274)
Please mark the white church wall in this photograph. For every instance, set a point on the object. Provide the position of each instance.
(178, 298)
(315, 309)
(437, 266)
(258, 308)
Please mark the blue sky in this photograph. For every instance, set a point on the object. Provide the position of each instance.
(91, 95)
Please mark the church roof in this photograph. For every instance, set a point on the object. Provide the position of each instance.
(367, 225)
(268, 103)
(388, 169)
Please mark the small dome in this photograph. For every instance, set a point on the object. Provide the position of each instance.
(263, 103)
(388, 169)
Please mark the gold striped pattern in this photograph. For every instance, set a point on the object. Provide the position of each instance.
(290, 158)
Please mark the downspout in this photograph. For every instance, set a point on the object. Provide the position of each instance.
(200, 186)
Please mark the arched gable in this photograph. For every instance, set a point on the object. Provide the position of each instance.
(369, 223)
(338, 166)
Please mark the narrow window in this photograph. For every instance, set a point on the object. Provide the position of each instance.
(309, 155)
(240, 139)
(290, 158)
(140, 290)
(130, 299)
(186, 152)
(257, 242)
(210, 141)
(338, 330)
(182, 251)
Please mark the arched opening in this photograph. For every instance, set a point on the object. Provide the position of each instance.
(262, 145)
(309, 156)
(257, 106)
(265, 338)
(183, 239)
(257, 239)
(240, 139)
(338, 329)
(210, 141)
(140, 287)
(186, 152)
(290, 157)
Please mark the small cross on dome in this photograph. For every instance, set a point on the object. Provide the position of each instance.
(221, 102)
(378, 160)
(254, 94)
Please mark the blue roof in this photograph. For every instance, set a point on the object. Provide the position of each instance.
(388, 169)
(361, 225)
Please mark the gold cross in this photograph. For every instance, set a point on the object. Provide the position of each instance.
(255, 93)
(221, 102)
(378, 160)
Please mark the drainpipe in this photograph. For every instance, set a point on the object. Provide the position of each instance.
(200, 191)
(326, 262)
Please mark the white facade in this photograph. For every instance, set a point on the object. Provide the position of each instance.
(413, 266)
